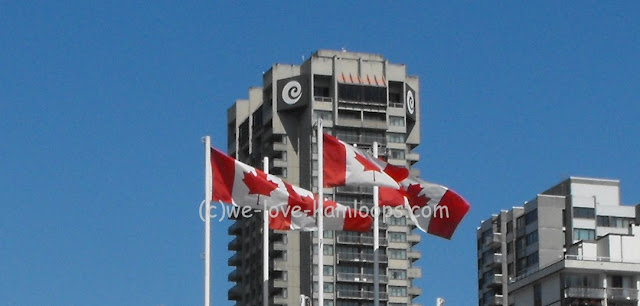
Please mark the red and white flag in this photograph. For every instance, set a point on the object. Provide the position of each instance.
(242, 185)
(435, 209)
(346, 165)
(291, 207)
(299, 214)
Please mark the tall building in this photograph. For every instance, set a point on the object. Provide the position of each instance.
(573, 244)
(361, 98)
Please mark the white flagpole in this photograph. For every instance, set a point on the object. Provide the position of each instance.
(208, 185)
(265, 246)
(376, 239)
(320, 214)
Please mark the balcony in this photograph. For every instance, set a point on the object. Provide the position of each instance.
(414, 291)
(359, 240)
(323, 99)
(413, 239)
(493, 240)
(235, 229)
(496, 299)
(360, 278)
(234, 276)
(235, 245)
(414, 272)
(235, 294)
(235, 260)
(414, 255)
(494, 260)
(584, 293)
(354, 189)
(494, 280)
(622, 294)
(356, 294)
(357, 257)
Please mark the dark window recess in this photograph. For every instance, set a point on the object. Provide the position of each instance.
(395, 92)
(531, 217)
(362, 93)
(584, 213)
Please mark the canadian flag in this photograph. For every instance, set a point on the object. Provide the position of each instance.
(435, 209)
(291, 207)
(346, 165)
(299, 214)
(242, 185)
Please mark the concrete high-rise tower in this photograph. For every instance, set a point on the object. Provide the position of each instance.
(361, 98)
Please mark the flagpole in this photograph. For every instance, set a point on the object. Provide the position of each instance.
(207, 222)
(265, 245)
(376, 239)
(321, 214)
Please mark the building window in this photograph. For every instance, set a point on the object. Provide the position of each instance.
(532, 238)
(531, 217)
(397, 220)
(397, 291)
(396, 154)
(537, 295)
(328, 250)
(328, 287)
(520, 223)
(395, 138)
(327, 271)
(609, 221)
(509, 227)
(397, 237)
(396, 121)
(584, 234)
(397, 254)
(397, 274)
(532, 260)
(584, 213)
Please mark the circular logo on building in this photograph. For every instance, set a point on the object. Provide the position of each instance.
(411, 102)
(292, 92)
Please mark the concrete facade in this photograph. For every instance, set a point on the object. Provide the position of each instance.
(515, 246)
(361, 98)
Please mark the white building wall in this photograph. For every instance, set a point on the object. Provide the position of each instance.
(605, 195)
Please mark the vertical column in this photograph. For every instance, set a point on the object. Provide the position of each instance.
(604, 285)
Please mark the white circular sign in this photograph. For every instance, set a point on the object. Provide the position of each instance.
(411, 102)
(292, 92)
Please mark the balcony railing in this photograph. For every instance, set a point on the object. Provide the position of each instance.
(585, 293)
(356, 294)
(361, 257)
(494, 280)
(357, 277)
(598, 258)
(496, 300)
(622, 294)
(323, 99)
(493, 240)
(348, 239)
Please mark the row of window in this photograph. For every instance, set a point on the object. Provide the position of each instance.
(328, 116)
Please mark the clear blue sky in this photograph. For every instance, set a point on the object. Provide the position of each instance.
(102, 107)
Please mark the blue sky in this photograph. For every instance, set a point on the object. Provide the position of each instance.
(102, 107)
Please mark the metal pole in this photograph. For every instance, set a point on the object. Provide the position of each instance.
(208, 186)
(265, 245)
(320, 136)
(376, 239)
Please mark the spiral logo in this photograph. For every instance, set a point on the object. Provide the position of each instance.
(411, 102)
(292, 92)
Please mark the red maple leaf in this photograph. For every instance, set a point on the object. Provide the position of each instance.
(415, 198)
(305, 203)
(259, 184)
(368, 165)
